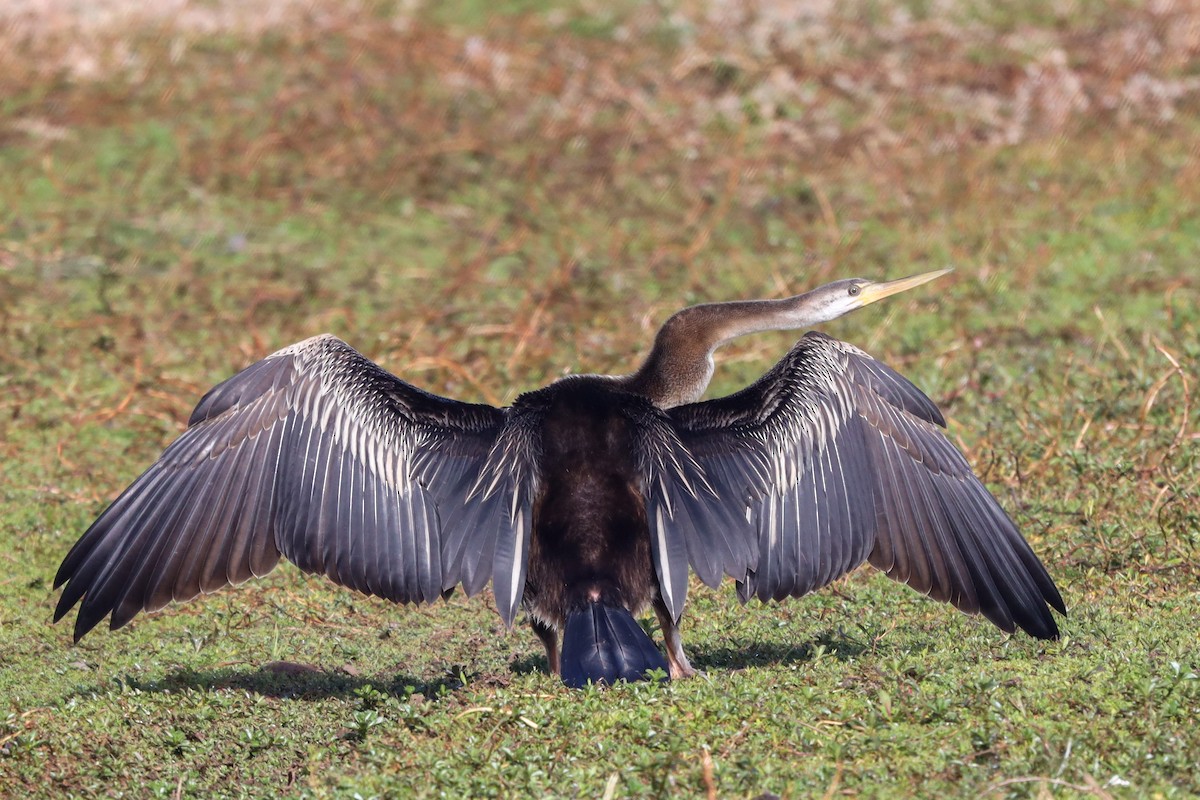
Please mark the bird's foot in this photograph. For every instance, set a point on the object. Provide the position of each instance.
(680, 669)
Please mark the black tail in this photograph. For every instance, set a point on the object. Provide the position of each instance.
(605, 644)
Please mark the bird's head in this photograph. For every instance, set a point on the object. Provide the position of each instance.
(841, 297)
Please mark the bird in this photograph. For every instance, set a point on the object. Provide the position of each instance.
(583, 503)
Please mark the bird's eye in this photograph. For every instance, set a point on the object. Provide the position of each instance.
(854, 289)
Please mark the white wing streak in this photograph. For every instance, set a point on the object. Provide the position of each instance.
(835, 459)
(316, 454)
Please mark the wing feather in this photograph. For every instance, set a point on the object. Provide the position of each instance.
(844, 461)
(316, 454)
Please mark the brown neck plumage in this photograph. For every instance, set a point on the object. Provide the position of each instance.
(680, 365)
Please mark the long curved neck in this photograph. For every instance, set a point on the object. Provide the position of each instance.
(680, 365)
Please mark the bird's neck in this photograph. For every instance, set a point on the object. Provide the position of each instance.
(680, 365)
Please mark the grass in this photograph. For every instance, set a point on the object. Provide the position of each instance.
(482, 202)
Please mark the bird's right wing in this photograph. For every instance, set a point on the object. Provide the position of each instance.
(834, 458)
(317, 454)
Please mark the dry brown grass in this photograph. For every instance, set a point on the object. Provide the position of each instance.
(813, 80)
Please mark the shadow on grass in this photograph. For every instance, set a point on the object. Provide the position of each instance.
(301, 684)
(740, 656)
(765, 654)
(529, 665)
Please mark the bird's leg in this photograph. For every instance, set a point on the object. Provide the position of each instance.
(549, 636)
(676, 660)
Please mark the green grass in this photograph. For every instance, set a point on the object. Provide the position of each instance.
(480, 226)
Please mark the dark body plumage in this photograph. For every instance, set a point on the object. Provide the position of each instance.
(590, 544)
(585, 502)
(590, 540)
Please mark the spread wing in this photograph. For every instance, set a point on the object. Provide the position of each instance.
(316, 454)
(834, 459)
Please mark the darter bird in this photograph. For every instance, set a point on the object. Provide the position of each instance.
(584, 502)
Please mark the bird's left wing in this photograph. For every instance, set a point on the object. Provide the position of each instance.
(317, 454)
(835, 458)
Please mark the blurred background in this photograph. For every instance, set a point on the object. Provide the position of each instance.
(482, 196)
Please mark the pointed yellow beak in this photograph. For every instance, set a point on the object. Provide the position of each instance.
(877, 291)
